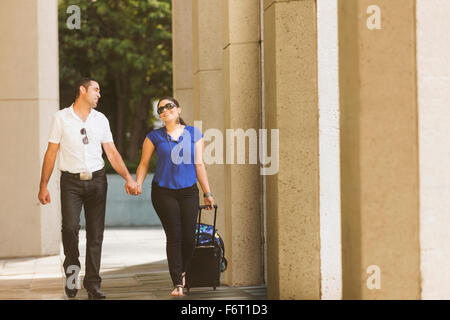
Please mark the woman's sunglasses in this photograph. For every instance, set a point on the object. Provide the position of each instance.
(168, 106)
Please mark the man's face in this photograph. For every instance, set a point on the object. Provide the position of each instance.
(92, 94)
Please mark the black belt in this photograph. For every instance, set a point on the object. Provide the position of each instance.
(85, 175)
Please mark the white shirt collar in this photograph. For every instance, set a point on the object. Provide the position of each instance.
(92, 114)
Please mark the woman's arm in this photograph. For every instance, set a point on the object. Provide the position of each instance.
(201, 172)
(141, 172)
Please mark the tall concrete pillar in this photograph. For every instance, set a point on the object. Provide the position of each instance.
(183, 77)
(330, 195)
(379, 150)
(433, 77)
(242, 111)
(208, 98)
(28, 99)
(290, 82)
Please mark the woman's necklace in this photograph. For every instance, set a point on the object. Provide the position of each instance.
(174, 130)
(170, 139)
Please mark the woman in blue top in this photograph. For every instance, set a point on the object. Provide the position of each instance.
(174, 187)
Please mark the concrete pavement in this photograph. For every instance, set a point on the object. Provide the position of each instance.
(134, 267)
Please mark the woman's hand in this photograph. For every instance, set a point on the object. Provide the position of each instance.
(139, 189)
(130, 186)
(209, 201)
(133, 188)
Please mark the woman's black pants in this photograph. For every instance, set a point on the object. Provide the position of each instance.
(177, 209)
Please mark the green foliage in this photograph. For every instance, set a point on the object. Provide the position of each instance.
(126, 45)
(131, 36)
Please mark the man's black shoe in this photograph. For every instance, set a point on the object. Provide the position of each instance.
(95, 294)
(71, 293)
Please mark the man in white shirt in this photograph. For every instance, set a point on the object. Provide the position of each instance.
(78, 133)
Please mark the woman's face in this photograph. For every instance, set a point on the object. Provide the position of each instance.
(169, 115)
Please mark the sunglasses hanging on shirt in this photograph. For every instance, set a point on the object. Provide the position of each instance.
(85, 138)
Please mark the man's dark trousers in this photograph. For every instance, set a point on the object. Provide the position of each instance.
(91, 194)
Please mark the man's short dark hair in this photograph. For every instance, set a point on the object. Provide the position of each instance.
(85, 82)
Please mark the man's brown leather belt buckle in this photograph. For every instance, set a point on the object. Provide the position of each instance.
(86, 176)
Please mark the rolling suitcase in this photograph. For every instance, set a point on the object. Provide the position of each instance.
(205, 266)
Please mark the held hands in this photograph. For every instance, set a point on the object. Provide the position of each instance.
(133, 188)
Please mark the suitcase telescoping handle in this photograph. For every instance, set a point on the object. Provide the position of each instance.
(200, 208)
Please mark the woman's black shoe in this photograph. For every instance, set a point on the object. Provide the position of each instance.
(95, 294)
(71, 293)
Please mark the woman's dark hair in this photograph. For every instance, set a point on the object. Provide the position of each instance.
(177, 104)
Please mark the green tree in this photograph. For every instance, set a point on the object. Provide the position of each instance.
(126, 45)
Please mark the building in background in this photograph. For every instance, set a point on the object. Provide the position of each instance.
(359, 206)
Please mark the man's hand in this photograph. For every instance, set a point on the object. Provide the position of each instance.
(44, 195)
(47, 168)
(132, 188)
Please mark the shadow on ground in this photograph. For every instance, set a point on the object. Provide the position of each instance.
(152, 282)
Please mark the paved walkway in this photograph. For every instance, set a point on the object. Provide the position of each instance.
(134, 267)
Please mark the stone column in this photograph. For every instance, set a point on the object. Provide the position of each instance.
(290, 74)
(183, 78)
(242, 111)
(433, 77)
(28, 99)
(379, 150)
(208, 98)
(330, 195)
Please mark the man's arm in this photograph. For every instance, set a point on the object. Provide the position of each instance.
(117, 163)
(47, 169)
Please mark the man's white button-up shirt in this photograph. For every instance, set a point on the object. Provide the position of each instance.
(74, 156)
